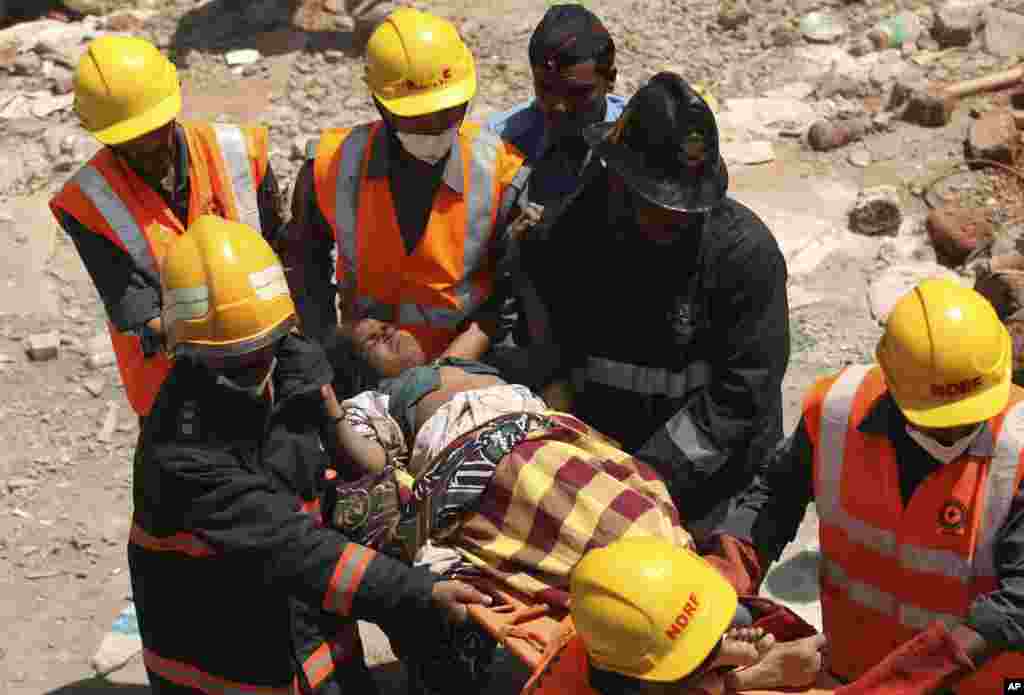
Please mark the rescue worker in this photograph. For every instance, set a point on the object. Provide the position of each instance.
(155, 176)
(239, 586)
(404, 219)
(914, 465)
(675, 318)
(572, 58)
(648, 617)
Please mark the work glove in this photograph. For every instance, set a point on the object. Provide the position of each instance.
(736, 560)
(919, 666)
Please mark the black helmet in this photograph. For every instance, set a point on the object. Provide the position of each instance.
(665, 146)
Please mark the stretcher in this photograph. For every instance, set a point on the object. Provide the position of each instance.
(527, 629)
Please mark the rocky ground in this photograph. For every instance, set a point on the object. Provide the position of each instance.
(775, 68)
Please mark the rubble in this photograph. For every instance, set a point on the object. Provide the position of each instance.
(106, 433)
(1004, 33)
(822, 27)
(955, 24)
(99, 360)
(95, 386)
(733, 13)
(244, 56)
(957, 232)
(877, 211)
(993, 137)
(757, 152)
(828, 135)
(885, 289)
(44, 346)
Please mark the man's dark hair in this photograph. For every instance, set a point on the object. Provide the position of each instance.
(352, 373)
(571, 34)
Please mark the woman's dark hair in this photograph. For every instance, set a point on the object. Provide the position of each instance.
(352, 373)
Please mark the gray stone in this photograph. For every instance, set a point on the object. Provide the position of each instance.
(955, 24)
(95, 386)
(733, 13)
(1004, 33)
(241, 57)
(43, 347)
(98, 360)
(822, 27)
(877, 211)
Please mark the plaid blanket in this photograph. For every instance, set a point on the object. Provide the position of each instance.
(520, 499)
(558, 493)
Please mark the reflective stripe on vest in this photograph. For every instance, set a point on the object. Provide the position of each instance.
(871, 597)
(189, 676)
(998, 492)
(649, 381)
(232, 142)
(480, 212)
(95, 187)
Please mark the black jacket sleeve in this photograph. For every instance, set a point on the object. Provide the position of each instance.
(768, 513)
(130, 294)
(999, 616)
(309, 256)
(716, 442)
(236, 510)
(268, 200)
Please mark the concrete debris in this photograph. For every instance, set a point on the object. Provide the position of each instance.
(994, 137)
(106, 433)
(860, 157)
(15, 484)
(877, 211)
(1004, 33)
(822, 27)
(955, 24)
(733, 13)
(889, 286)
(44, 346)
(828, 135)
(957, 232)
(99, 360)
(95, 386)
(758, 152)
(243, 56)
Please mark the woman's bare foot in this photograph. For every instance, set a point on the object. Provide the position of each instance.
(786, 665)
(743, 646)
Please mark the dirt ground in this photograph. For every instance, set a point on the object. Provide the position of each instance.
(67, 431)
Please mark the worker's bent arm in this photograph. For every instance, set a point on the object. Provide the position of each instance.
(998, 617)
(130, 294)
(236, 510)
(711, 448)
(769, 511)
(308, 254)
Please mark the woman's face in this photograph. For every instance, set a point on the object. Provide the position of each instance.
(389, 350)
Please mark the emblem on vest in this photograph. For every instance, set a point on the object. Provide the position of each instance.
(682, 321)
(188, 421)
(953, 518)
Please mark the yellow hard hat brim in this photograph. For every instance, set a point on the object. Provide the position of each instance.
(161, 114)
(977, 408)
(721, 599)
(423, 104)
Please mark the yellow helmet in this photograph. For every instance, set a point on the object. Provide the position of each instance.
(649, 609)
(124, 88)
(224, 291)
(416, 64)
(946, 356)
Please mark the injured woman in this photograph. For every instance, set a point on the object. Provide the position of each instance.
(447, 465)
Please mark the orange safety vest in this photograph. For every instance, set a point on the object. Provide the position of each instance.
(226, 166)
(430, 291)
(888, 572)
